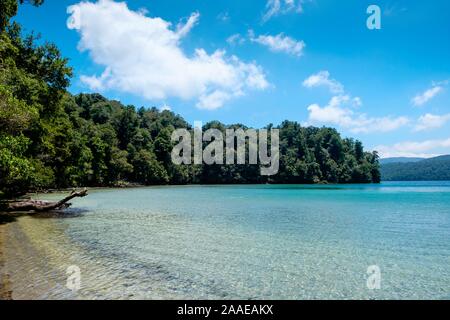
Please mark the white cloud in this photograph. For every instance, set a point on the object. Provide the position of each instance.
(165, 107)
(364, 124)
(431, 121)
(278, 7)
(235, 39)
(339, 112)
(421, 99)
(341, 109)
(143, 11)
(322, 78)
(142, 56)
(357, 101)
(214, 100)
(279, 43)
(184, 29)
(423, 149)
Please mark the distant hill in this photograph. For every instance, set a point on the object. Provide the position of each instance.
(400, 160)
(437, 168)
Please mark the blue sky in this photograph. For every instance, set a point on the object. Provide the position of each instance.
(264, 61)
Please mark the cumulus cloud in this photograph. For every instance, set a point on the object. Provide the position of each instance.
(430, 121)
(423, 149)
(143, 56)
(423, 98)
(340, 111)
(322, 78)
(213, 100)
(279, 43)
(278, 7)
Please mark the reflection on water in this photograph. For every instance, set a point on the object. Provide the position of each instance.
(239, 242)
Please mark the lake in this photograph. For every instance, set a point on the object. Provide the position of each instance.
(239, 242)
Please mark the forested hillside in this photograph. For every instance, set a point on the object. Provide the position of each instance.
(426, 170)
(52, 139)
(400, 160)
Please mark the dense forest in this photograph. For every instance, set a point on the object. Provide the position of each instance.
(400, 160)
(434, 169)
(50, 138)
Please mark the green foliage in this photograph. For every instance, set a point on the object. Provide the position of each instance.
(33, 126)
(16, 171)
(147, 169)
(425, 170)
(313, 155)
(15, 115)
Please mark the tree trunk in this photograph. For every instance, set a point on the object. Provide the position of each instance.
(39, 205)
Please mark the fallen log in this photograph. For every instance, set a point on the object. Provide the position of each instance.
(40, 205)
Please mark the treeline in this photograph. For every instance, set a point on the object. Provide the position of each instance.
(52, 139)
(434, 169)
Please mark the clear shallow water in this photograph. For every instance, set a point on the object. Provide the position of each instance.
(240, 242)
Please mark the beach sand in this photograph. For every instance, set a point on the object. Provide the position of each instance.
(5, 292)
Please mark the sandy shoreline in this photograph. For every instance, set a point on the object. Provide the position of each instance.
(5, 292)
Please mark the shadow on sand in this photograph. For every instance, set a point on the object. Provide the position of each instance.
(60, 214)
(8, 217)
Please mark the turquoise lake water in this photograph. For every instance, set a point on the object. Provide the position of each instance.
(240, 242)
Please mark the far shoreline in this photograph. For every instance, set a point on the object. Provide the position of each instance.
(142, 186)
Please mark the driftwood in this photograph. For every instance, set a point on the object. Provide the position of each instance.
(40, 205)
